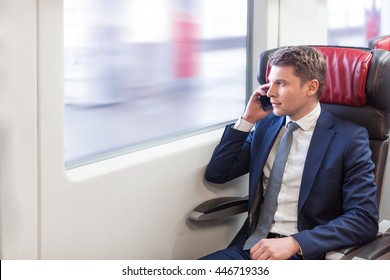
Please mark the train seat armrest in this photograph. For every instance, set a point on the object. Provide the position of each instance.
(369, 250)
(374, 249)
(220, 207)
(340, 253)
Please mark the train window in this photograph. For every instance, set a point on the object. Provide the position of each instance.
(355, 22)
(141, 72)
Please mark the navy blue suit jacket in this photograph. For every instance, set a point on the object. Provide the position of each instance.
(337, 203)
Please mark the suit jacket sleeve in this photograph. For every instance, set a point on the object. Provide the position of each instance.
(231, 156)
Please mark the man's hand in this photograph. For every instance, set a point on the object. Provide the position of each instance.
(254, 111)
(275, 249)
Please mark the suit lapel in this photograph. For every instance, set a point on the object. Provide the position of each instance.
(261, 157)
(320, 141)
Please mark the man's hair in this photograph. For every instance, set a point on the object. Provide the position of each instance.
(308, 63)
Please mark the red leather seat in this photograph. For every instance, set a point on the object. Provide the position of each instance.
(382, 42)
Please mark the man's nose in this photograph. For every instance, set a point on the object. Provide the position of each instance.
(271, 91)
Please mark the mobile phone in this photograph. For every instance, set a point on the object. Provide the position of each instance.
(265, 102)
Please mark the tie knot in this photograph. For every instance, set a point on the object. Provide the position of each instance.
(291, 126)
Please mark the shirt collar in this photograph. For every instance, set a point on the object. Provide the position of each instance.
(309, 120)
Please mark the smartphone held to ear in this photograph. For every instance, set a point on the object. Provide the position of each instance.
(265, 102)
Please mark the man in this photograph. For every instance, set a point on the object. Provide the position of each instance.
(327, 196)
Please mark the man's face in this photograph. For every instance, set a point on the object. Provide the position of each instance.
(289, 96)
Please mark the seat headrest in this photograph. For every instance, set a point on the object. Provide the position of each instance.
(346, 75)
(355, 76)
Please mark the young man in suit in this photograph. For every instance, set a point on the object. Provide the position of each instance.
(327, 196)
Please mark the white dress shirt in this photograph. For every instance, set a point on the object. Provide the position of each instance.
(286, 216)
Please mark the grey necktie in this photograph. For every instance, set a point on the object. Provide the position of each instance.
(268, 206)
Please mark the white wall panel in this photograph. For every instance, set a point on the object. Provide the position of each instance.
(18, 130)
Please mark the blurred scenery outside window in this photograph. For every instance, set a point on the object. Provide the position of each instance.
(355, 22)
(141, 72)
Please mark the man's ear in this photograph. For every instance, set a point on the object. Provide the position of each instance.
(312, 87)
